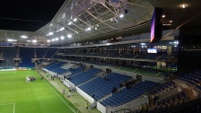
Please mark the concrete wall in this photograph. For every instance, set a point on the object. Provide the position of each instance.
(85, 95)
(133, 105)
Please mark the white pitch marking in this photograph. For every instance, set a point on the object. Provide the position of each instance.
(9, 104)
(59, 96)
(13, 107)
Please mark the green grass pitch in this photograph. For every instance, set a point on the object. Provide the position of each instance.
(19, 96)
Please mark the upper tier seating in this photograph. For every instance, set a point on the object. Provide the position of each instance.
(26, 54)
(40, 52)
(51, 52)
(147, 56)
(164, 57)
(8, 53)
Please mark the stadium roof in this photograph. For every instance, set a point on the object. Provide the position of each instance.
(69, 21)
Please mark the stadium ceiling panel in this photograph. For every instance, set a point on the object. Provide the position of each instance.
(86, 20)
(82, 20)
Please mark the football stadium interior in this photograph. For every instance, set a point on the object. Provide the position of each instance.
(100, 56)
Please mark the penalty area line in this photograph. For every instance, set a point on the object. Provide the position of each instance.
(9, 104)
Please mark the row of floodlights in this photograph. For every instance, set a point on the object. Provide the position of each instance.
(74, 20)
(22, 36)
(14, 40)
(57, 39)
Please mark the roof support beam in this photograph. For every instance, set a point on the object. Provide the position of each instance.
(100, 20)
(109, 9)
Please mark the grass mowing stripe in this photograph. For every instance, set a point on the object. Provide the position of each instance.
(7, 104)
(58, 95)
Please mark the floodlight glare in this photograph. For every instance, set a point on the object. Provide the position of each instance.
(69, 36)
(75, 19)
(62, 37)
(34, 41)
(121, 15)
(88, 29)
(69, 23)
(24, 36)
(28, 40)
(12, 40)
(61, 29)
(50, 33)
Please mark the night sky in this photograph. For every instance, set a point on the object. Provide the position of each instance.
(27, 15)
